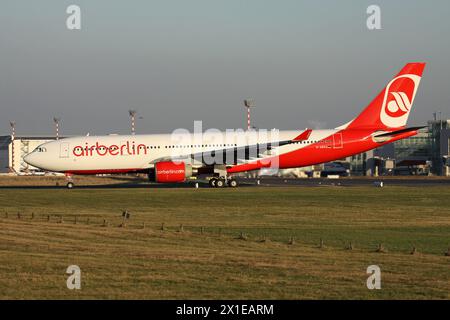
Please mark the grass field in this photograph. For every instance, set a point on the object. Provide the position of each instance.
(206, 259)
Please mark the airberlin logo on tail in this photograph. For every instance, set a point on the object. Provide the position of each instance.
(398, 107)
(398, 98)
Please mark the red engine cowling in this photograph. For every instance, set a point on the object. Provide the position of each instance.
(170, 172)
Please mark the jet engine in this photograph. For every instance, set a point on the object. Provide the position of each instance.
(170, 172)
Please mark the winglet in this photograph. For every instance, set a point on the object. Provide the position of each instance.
(303, 136)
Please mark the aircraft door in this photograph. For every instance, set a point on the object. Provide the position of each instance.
(64, 150)
(337, 141)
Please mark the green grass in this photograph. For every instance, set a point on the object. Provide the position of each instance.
(138, 262)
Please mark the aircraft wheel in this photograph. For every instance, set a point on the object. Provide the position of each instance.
(70, 185)
(212, 182)
(232, 183)
(220, 183)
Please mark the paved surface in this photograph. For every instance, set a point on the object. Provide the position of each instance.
(263, 182)
(360, 181)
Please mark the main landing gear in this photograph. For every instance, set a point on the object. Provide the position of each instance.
(221, 179)
(222, 182)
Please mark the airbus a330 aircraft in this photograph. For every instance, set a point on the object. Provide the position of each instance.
(219, 156)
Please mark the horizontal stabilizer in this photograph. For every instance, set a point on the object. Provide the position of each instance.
(393, 133)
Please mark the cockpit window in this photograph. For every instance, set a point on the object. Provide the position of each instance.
(41, 149)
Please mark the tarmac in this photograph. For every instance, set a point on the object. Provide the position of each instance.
(265, 181)
(348, 181)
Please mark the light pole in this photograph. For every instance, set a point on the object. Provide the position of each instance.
(132, 114)
(249, 103)
(56, 121)
(13, 137)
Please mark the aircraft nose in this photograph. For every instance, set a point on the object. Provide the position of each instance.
(29, 159)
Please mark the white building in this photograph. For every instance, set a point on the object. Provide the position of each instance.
(11, 154)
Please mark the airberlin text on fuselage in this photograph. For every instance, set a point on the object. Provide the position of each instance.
(113, 150)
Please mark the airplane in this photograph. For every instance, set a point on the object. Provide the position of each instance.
(221, 156)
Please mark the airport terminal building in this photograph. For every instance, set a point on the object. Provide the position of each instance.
(424, 154)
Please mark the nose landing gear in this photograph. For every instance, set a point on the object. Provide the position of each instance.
(70, 184)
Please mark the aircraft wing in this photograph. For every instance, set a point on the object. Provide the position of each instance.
(236, 155)
(229, 155)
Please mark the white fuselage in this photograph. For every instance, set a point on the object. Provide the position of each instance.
(140, 152)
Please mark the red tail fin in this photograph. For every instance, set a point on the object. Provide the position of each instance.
(391, 108)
